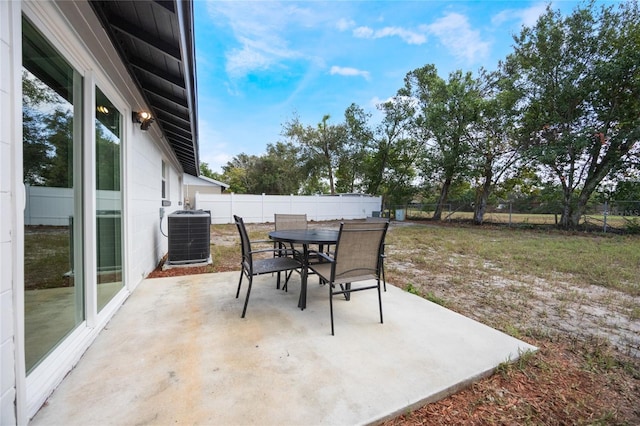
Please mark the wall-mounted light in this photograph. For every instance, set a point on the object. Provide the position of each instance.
(144, 118)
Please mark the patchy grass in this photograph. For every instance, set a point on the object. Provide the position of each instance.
(611, 261)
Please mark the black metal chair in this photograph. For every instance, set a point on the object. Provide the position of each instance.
(284, 221)
(383, 256)
(357, 257)
(252, 267)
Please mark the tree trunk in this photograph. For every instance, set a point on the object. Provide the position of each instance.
(568, 220)
(444, 193)
(482, 196)
(481, 205)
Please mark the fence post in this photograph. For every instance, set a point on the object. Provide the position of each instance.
(606, 212)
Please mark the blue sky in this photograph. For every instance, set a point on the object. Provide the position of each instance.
(261, 62)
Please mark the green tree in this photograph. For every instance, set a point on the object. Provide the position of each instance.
(206, 171)
(36, 147)
(59, 125)
(444, 111)
(390, 166)
(494, 150)
(276, 172)
(321, 146)
(108, 157)
(279, 171)
(579, 79)
(358, 139)
(236, 173)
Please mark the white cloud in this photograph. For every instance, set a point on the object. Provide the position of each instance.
(260, 29)
(456, 34)
(344, 24)
(349, 72)
(363, 32)
(408, 36)
(527, 17)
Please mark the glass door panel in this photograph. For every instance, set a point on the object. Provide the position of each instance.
(53, 222)
(109, 199)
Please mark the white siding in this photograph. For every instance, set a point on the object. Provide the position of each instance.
(148, 245)
(7, 213)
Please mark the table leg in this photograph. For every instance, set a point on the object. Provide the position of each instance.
(302, 301)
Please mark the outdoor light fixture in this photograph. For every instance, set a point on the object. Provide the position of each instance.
(144, 118)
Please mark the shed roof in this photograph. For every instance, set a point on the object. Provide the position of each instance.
(203, 180)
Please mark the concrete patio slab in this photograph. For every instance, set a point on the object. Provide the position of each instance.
(178, 352)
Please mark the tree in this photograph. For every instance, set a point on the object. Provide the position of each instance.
(444, 111)
(390, 165)
(579, 79)
(36, 146)
(59, 125)
(358, 139)
(206, 171)
(108, 159)
(279, 171)
(276, 172)
(493, 147)
(321, 146)
(236, 173)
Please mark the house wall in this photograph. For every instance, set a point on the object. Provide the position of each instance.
(76, 32)
(9, 36)
(148, 244)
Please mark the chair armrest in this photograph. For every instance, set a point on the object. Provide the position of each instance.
(262, 241)
(285, 251)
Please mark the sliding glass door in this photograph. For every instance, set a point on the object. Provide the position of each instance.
(108, 125)
(72, 171)
(53, 219)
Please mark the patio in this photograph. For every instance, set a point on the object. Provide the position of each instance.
(178, 352)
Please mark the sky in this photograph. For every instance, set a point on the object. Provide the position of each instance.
(260, 63)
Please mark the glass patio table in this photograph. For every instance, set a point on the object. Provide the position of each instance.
(305, 237)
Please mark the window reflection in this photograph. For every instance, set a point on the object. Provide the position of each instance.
(109, 199)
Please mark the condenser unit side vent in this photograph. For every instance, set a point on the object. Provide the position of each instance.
(189, 237)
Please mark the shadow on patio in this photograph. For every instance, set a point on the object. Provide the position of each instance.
(178, 352)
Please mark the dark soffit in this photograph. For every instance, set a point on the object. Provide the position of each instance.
(155, 40)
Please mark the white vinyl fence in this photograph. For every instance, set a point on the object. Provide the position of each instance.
(261, 208)
(54, 206)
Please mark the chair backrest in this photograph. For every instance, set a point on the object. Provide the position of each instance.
(247, 260)
(290, 221)
(358, 250)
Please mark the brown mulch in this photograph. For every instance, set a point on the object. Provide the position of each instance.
(176, 272)
(550, 387)
(193, 270)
